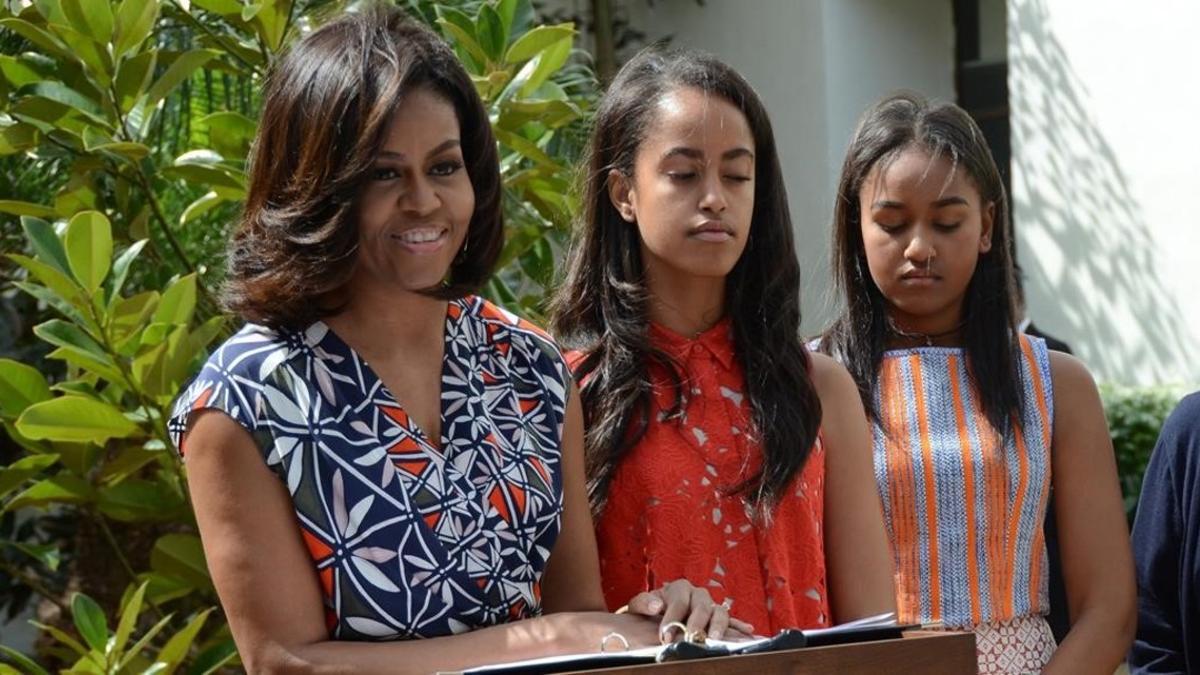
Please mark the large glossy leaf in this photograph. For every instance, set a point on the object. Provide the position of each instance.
(91, 18)
(535, 41)
(490, 31)
(130, 610)
(178, 302)
(89, 248)
(135, 501)
(176, 649)
(230, 133)
(213, 658)
(61, 489)
(28, 665)
(89, 619)
(72, 338)
(74, 418)
(17, 208)
(39, 37)
(180, 69)
(20, 386)
(23, 469)
(46, 244)
(17, 137)
(134, 21)
(181, 556)
(133, 76)
(120, 269)
(20, 72)
(462, 31)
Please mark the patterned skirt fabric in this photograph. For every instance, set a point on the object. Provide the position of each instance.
(1022, 645)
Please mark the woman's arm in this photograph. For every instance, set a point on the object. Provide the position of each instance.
(269, 591)
(1097, 561)
(857, 558)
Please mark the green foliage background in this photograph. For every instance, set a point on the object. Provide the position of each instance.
(124, 132)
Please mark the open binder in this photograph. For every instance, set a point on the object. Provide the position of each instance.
(881, 627)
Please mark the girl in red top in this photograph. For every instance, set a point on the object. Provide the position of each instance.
(718, 449)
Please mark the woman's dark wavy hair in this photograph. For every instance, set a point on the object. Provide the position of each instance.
(602, 305)
(858, 337)
(326, 107)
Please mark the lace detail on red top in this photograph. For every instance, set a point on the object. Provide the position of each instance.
(669, 514)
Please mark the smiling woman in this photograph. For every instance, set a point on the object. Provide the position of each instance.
(378, 454)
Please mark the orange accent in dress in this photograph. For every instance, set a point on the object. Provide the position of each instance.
(668, 515)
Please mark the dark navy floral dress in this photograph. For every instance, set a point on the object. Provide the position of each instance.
(408, 540)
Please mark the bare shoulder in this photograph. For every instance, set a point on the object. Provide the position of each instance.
(1073, 383)
(831, 380)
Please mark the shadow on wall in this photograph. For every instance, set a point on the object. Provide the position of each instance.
(1072, 196)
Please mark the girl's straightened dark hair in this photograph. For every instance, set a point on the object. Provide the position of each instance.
(602, 306)
(858, 337)
(326, 108)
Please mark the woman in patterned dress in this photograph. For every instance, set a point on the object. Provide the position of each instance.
(378, 454)
(974, 423)
(718, 449)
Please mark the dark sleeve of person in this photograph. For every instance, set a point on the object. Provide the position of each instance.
(1164, 549)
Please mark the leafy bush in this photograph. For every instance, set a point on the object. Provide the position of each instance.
(1135, 417)
(146, 110)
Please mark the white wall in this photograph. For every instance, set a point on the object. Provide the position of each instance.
(816, 64)
(1106, 178)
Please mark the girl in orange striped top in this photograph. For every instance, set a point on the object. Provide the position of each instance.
(974, 423)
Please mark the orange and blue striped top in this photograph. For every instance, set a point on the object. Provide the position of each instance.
(964, 507)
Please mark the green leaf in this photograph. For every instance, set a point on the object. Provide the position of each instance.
(72, 98)
(141, 644)
(138, 501)
(178, 302)
(547, 62)
(462, 31)
(85, 51)
(526, 147)
(179, 70)
(535, 41)
(128, 620)
(46, 244)
(60, 284)
(121, 265)
(72, 338)
(135, 20)
(176, 649)
(181, 556)
(61, 489)
(40, 38)
(89, 248)
(63, 638)
(131, 313)
(206, 333)
(47, 554)
(199, 207)
(26, 209)
(19, 72)
(93, 19)
(23, 469)
(128, 461)
(74, 418)
(133, 76)
(52, 299)
(90, 621)
(213, 658)
(20, 387)
(17, 137)
(230, 133)
(489, 29)
(30, 667)
(271, 20)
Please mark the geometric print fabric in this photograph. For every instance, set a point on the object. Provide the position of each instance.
(408, 539)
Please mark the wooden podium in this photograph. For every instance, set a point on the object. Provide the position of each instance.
(924, 652)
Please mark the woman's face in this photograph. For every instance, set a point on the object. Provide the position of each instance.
(924, 226)
(691, 195)
(417, 205)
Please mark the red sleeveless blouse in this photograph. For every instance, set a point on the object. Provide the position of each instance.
(669, 516)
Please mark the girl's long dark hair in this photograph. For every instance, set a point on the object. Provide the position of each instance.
(859, 336)
(602, 305)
